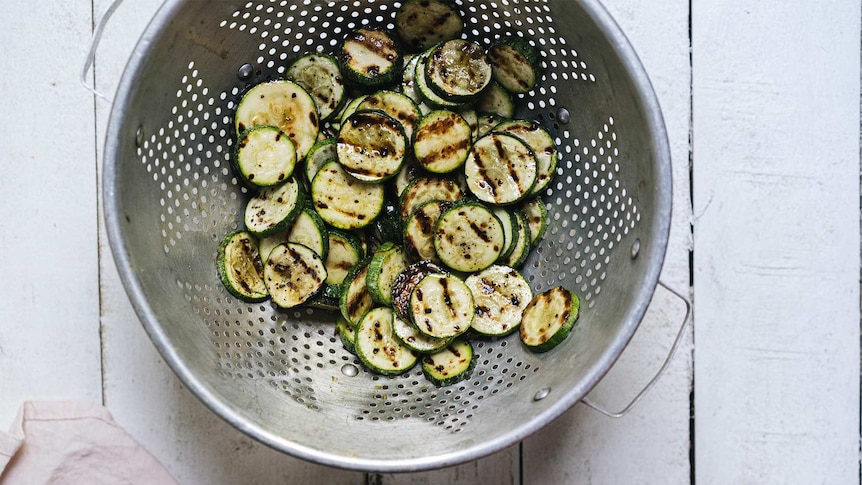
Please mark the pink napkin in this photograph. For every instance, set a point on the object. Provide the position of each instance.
(74, 442)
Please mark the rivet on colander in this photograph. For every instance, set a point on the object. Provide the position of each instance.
(245, 72)
(139, 137)
(563, 115)
(636, 248)
(349, 370)
(542, 394)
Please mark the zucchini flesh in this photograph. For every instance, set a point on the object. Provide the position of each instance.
(240, 267)
(419, 231)
(501, 169)
(274, 209)
(485, 124)
(423, 189)
(543, 146)
(371, 146)
(410, 170)
(397, 105)
(536, 214)
(387, 263)
(406, 282)
(369, 57)
(265, 156)
(408, 81)
(344, 202)
(442, 306)
(497, 101)
(378, 348)
(510, 230)
(423, 23)
(284, 104)
(442, 142)
(522, 238)
(265, 245)
(322, 152)
(451, 365)
(345, 252)
(415, 340)
(319, 74)
(468, 237)
(549, 318)
(515, 64)
(355, 300)
(458, 70)
(293, 274)
(309, 230)
(501, 294)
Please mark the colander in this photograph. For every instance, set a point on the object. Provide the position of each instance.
(282, 376)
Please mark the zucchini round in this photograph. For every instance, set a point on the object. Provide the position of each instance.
(458, 70)
(293, 274)
(501, 294)
(451, 365)
(344, 202)
(406, 281)
(536, 215)
(345, 252)
(320, 76)
(397, 105)
(441, 306)
(371, 146)
(500, 169)
(322, 152)
(468, 237)
(543, 146)
(423, 23)
(378, 348)
(388, 262)
(309, 230)
(273, 210)
(240, 267)
(415, 340)
(515, 64)
(549, 318)
(265, 156)
(370, 57)
(442, 141)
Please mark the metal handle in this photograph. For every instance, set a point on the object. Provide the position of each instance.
(660, 372)
(94, 44)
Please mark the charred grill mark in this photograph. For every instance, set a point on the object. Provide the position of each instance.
(482, 233)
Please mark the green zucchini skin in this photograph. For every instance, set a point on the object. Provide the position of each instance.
(388, 262)
(450, 365)
(240, 268)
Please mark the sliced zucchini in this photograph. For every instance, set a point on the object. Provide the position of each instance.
(408, 81)
(451, 365)
(240, 267)
(441, 306)
(344, 202)
(293, 274)
(284, 104)
(501, 294)
(497, 101)
(388, 262)
(415, 340)
(458, 70)
(350, 108)
(355, 299)
(537, 218)
(274, 209)
(397, 105)
(472, 119)
(370, 57)
(426, 93)
(423, 23)
(515, 64)
(522, 244)
(543, 146)
(328, 298)
(378, 348)
(510, 230)
(266, 244)
(549, 318)
(486, 124)
(371, 146)
(309, 230)
(442, 141)
(419, 231)
(501, 169)
(406, 281)
(410, 170)
(423, 189)
(322, 152)
(468, 237)
(347, 333)
(319, 74)
(265, 156)
(345, 252)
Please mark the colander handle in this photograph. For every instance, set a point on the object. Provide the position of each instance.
(94, 45)
(660, 372)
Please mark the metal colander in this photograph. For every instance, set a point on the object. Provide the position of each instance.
(282, 376)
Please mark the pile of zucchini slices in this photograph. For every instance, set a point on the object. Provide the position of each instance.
(392, 183)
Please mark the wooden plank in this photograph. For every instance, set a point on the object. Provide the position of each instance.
(140, 390)
(776, 191)
(650, 445)
(501, 468)
(49, 330)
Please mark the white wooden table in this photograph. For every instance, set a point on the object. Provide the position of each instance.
(761, 100)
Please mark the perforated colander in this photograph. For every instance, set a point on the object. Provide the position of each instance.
(282, 376)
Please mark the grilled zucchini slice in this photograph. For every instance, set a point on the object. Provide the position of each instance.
(441, 306)
(345, 252)
(415, 340)
(458, 70)
(320, 76)
(485, 124)
(322, 152)
(293, 274)
(355, 300)
(424, 90)
(423, 189)
(240, 267)
(501, 294)
(284, 104)
(388, 262)
(510, 230)
(344, 202)
(451, 365)
(423, 23)
(273, 210)
(265, 156)
(521, 241)
(496, 100)
(397, 105)
(309, 230)
(468, 237)
(378, 348)
(371, 146)
(328, 298)
(347, 334)
(419, 231)
(515, 64)
(543, 146)
(442, 141)
(501, 169)
(406, 281)
(549, 318)
(370, 57)
(536, 214)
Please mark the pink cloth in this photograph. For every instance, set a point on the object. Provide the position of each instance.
(74, 442)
